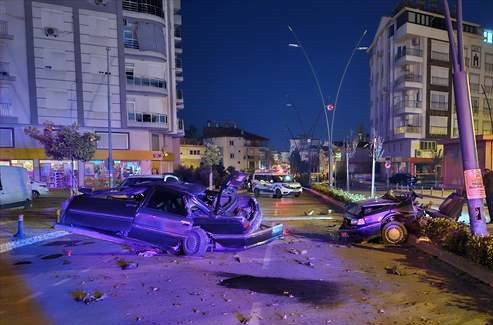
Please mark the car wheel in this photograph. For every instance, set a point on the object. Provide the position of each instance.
(394, 233)
(196, 242)
(35, 194)
(297, 194)
(256, 192)
(278, 193)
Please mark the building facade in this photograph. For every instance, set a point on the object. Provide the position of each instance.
(55, 57)
(191, 152)
(240, 149)
(411, 95)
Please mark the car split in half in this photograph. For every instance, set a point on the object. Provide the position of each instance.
(174, 216)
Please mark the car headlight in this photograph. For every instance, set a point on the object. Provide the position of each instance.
(358, 222)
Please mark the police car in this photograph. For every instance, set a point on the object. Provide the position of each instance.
(275, 184)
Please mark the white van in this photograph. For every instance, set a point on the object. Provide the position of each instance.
(15, 187)
(275, 184)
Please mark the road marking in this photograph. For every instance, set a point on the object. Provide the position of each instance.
(61, 282)
(31, 296)
(298, 218)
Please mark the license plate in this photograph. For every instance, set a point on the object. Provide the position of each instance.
(344, 235)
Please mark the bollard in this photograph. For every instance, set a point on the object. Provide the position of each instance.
(421, 189)
(20, 227)
(442, 190)
(431, 191)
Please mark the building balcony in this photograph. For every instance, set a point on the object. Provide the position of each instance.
(407, 106)
(177, 32)
(131, 43)
(148, 120)
(7, 114)
(439, 81)
(143, 7)
(475, 88)
(488, 67)
(4, 31)
(409, 80)
(440, 56)
(408, 52)
(179, 98)
(181, 127)
(4, 72)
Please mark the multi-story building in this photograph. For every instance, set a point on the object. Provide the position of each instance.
(240, 149)
(54, 59)
(411, 95)
(191, 152)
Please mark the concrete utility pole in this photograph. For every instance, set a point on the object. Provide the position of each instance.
(110, 146)
(472, 174)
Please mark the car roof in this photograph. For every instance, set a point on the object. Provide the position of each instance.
(146, 176)
(376, 202)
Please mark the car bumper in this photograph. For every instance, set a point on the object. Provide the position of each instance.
(360, 233)
(245, 241)
(289, 191)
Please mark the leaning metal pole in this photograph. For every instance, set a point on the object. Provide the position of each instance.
(110, 147)
(472, 174)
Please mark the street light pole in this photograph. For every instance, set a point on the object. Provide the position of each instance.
(356, 48)
(472, 174)
(312, 69)
(110, 147)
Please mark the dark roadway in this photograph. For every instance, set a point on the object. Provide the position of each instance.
(302, 279)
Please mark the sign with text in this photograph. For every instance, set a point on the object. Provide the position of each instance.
(474, 184)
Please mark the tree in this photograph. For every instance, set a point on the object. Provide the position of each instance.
(212, 157)
(65, 142)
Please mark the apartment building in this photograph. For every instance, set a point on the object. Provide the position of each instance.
(191, 152)
(411, 94)
(240, 149)
(54, 57)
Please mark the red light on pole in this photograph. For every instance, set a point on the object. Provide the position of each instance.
(330, 107)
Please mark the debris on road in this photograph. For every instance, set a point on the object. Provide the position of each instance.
(242, 318)
(125, 265)
(293, 251)
(87, 298)
(395, 269)
(148, 253)
(306, 263)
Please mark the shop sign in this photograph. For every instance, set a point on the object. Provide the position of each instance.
(474, 184)
(157, 155)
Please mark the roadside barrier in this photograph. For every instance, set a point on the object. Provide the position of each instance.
(20, 227)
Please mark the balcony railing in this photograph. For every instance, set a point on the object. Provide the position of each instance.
(407, 129)
(4, 72)
(403, 104)
(409, 77)
(131, 43)
(180, 124)
(177, 31)
(143, 7)
(439, 81)
(179, 94)
(408, 51)
(5, 110)
(439, 105)
(4, 31)
(146, 82)
(440, 56)
(148, 119)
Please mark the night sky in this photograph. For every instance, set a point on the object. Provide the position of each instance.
(238, 66)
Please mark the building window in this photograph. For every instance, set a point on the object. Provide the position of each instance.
(438, 125)
(439, 100)
(232, 156)
(131, 110)
(129, 70)
(6, 138)
(427, 145)
(119, 140)
(231, 143)
(155, 142)
(475, 104)
(488, 36)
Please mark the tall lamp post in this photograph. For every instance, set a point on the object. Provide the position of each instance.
(298, 44)
(472, 174)
(108, 94)
(356, 48)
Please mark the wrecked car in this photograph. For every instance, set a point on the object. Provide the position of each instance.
(178, 217)
(390, 216)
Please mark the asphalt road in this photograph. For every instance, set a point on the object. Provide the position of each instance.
(304, 278)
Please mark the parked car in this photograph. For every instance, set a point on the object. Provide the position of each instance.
(391, 216)
(175, 216)
(139, 179)
(274, 184)
(403, 179)
(15, 187)
(39, 189)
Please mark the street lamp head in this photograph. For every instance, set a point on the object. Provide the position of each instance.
(362, 48)
(290, 29)
(293, 45)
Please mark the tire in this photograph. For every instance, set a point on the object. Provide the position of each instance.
(297, 194)
(278, 193)
(196, 243)
(35, 195)
(394, 233)
(256, 192)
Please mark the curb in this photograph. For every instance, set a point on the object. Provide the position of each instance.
(326, 198)
(471, 268)
(10, 245)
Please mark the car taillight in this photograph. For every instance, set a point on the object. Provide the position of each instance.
(246, 224)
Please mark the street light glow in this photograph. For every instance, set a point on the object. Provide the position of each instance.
(293, 45)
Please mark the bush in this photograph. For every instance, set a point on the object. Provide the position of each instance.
(338, 194)
(456, 238)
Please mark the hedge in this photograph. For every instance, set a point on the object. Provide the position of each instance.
(456, 238)
(338, 194)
